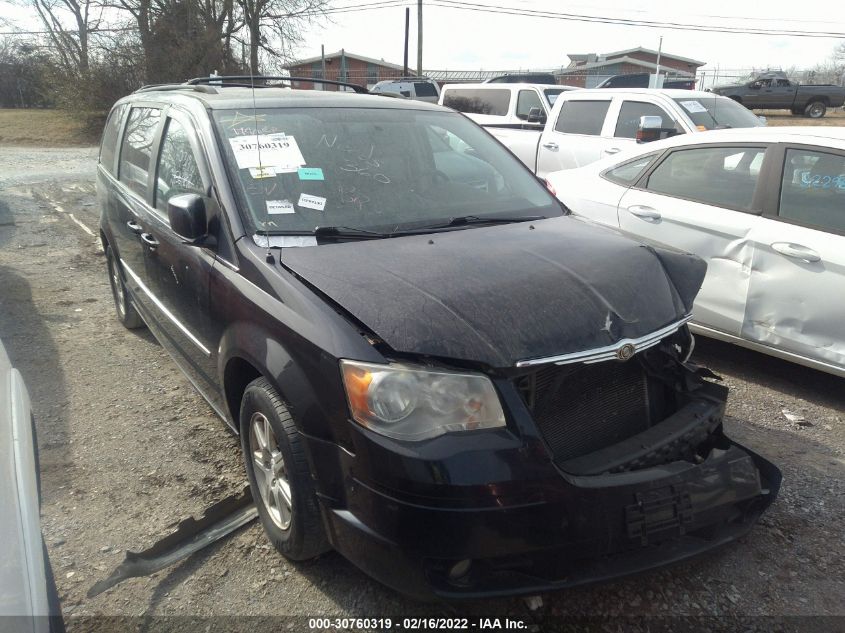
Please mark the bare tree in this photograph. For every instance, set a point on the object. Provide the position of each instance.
(69, 25)
(276, 26)
(181, 38)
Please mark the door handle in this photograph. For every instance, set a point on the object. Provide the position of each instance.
(796, 251)
(149, 240)
(612, 150)
(134, 226)
(551, 145)
(646, 213)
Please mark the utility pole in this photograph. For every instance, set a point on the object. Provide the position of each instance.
(419, 38)
(407, 28)
(657, 72)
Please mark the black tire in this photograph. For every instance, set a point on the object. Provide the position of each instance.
(123, 306)
(304, 537)
(816, 109)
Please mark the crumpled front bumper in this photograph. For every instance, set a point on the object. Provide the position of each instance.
(595, 529)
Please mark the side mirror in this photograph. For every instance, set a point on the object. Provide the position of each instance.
(650, 128)
(186, 213)
(536, 115)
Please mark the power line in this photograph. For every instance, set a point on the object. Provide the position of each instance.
(497, 9)
(384, 4)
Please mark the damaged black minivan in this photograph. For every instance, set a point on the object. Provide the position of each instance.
(433, 368)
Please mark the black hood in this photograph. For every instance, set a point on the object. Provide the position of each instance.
(500, 294)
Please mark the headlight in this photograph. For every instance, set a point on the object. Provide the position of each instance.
(408, 403)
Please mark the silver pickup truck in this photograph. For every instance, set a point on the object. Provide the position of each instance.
(774, 91)
(586, 125)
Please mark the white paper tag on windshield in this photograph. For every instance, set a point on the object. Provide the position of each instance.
(311, 202)
(267, 150)
(277, 207)
(693, 106)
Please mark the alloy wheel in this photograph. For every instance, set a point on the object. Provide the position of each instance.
(271, 476)
(117, 288)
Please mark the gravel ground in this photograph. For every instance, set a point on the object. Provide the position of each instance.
(128, 449)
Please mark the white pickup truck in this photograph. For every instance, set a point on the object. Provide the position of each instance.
(586, 125)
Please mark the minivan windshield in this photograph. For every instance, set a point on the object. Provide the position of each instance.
(296, 169)
(711, 113)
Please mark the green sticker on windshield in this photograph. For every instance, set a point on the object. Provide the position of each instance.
(310, 173)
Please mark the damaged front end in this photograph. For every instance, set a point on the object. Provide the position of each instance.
(650, 476)
(607, 468)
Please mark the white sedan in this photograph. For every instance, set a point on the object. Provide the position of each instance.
(765, 207)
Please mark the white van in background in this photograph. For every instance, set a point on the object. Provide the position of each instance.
(419, 88)
(503, 104)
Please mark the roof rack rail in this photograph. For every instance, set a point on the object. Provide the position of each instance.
(169, 87)
(221, 81)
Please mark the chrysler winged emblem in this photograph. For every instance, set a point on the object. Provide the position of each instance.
(625, 352)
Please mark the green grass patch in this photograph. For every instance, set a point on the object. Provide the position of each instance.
(50, 128)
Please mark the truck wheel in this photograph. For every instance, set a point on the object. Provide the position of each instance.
(816, 109)
(279, 476)
(126, 312)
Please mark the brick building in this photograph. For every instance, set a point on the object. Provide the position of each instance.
(588, 70)
(344, 66)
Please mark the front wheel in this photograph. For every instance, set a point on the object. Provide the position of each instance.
(278, 473)
(816, 109)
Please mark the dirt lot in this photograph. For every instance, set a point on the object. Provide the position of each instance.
(128, 449)
(778, 118)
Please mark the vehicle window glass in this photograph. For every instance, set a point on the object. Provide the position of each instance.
(721, 176)
(108, 146)
(813, 189)
(629, 118)
(371, 168)
(710, 113)
(783, 83)
(136, 148)
(425, 89)
(582, 117)
(551, 94)
(177, 166)
(478, 101)
(627, 173)
(525, 100)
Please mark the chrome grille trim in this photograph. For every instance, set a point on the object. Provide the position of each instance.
(608, 352)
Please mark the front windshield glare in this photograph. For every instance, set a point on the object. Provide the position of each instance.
(380, 169)
(716, 112)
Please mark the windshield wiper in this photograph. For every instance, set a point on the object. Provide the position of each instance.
(342, 232)
(350, 232)
(463, 220)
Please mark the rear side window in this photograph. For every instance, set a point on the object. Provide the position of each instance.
(582, 117)
(526, 100)
(721, 176)
(478, 101)
(178, 172)
(137, 147)
(108, 146)
(632, 111)
(813, 189)
(628, 173)
(424, 89)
